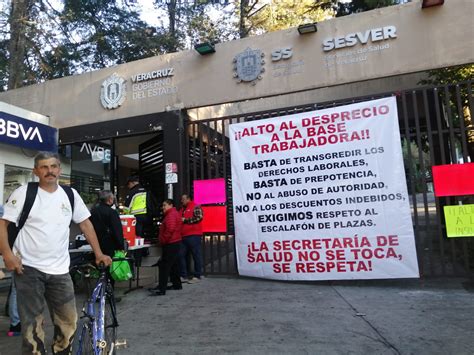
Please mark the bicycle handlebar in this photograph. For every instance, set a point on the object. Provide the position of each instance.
(102, 267)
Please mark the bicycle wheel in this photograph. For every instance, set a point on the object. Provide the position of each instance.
(82, 344)
(110, 325)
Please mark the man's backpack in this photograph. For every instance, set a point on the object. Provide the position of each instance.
(31, 192)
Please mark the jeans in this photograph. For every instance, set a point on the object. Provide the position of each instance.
(35, 289)
(12, 305)
(191, 243)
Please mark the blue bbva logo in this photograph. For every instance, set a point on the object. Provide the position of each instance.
(17, 130)
(27, 134)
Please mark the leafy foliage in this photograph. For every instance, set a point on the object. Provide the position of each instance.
(283, 14)
(108, 34)
(449, 75)
(356, 6)
(76, 37)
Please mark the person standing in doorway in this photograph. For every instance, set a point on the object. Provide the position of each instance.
(170, 241)
(191, 232)
(135, 204)
(40, 257)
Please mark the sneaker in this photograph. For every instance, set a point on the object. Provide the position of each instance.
(15, 330)
(194, 280)
(184, 280)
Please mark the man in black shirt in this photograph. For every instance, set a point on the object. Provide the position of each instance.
(106, 222)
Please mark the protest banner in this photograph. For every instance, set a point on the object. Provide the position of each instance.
(459, 220)
(322, 195)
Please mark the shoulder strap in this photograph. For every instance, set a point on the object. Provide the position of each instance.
(31, 192)
(70, 195)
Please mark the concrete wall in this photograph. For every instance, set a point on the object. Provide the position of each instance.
(331, 93)
(431, 38)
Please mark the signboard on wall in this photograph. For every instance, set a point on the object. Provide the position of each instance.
(24, 133)
(322, 195)
(459, 220)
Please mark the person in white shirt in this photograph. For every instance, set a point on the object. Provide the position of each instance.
(40, 256)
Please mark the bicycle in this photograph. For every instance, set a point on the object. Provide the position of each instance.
(97, 329)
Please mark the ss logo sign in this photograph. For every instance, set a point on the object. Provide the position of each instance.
(282, 53)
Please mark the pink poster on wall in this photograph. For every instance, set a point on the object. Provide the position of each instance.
(210, 191)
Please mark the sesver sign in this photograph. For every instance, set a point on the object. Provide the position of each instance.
(322, 195)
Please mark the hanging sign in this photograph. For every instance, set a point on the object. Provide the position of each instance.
(171, 178)
(322, 195)
(24, 133)
(459, 220)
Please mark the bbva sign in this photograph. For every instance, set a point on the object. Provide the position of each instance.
(24, 133)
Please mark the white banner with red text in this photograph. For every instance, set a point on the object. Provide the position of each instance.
(322, 195)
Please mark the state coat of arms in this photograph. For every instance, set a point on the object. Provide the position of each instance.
(112, 92)
(248, 65)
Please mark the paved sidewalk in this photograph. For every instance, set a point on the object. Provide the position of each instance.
(252, 316)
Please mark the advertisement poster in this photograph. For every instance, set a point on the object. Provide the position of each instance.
(322, 195)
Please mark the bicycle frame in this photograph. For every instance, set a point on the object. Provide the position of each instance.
(97, 318)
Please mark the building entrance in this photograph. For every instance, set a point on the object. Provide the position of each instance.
(140, 156)
(106, 164)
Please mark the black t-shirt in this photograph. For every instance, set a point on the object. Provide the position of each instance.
(107, 225)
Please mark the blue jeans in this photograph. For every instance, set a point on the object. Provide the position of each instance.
(191, 243)
(12, 305)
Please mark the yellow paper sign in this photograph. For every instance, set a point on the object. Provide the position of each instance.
(459, 220)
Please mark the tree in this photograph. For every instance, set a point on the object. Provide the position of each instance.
(189, 22)
(247, 10)
(4, 30)
(21, 14)
(174, 35)
(356, 6)
(451, 75)
(283, 14)
(108, 34)
(41, 40)
(201, 28)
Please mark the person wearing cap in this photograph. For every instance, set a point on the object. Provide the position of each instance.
(135, 203)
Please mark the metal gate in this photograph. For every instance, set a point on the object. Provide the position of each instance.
(436, 127)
